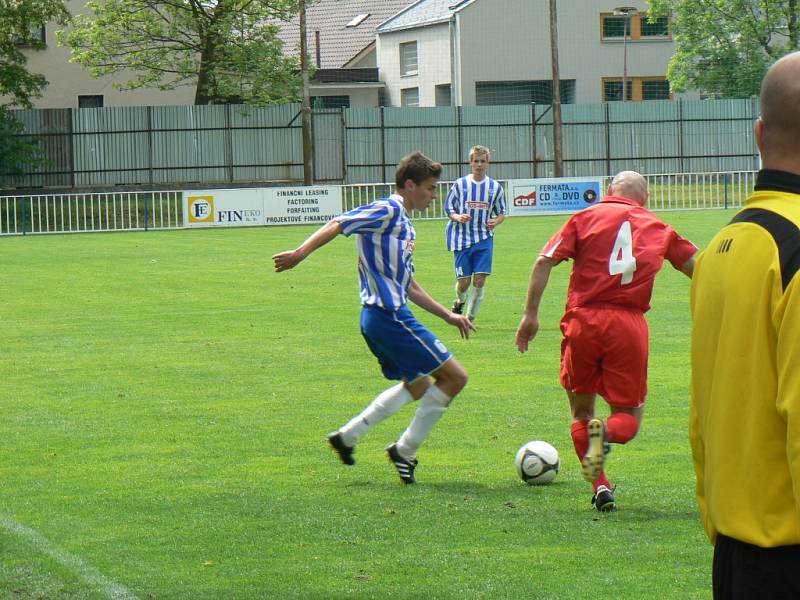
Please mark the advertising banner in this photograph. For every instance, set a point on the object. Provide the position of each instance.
(223, 208)
(537, 196)
(287, 206)
(261, 206)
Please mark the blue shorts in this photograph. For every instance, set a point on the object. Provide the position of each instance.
(404, 347)
(475, 259)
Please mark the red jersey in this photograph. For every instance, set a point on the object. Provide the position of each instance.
(618, 248)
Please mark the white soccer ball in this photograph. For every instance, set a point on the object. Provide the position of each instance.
(537, 463)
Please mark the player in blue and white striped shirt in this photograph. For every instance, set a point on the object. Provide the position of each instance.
(405, 348)
(475, 205)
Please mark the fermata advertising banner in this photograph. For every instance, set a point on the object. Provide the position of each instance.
(536, 196)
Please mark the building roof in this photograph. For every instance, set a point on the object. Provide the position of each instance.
(424, 12)
(338, 43)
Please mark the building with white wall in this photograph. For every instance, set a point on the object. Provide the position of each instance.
(477, 52)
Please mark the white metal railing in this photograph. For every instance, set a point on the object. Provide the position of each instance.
(92, 211)
(130, 211)
(670, 191)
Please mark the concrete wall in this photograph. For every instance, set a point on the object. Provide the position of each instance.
(505, 40)
(509, 40)
(433, 58)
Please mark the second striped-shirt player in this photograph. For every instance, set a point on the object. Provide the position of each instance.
(475, 206)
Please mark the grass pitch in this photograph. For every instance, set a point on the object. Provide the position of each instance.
(165, 403)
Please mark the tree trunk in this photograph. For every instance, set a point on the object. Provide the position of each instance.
(204, 93)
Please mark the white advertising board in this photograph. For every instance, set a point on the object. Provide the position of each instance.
(287, 206)
(537, 196)
(261, 206)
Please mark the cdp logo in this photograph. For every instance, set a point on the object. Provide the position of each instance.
(201, 209)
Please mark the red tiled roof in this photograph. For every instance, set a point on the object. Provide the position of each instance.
(339, 44)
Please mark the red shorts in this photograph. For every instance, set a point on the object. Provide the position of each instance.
(604, 351)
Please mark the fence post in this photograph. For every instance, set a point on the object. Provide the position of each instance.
(608, 140)
(71, 142)
(145, 211)
(383, 146)
(459, 137)
(533, 145)
(150, 144)
(680, 134)
(725, 187)
(228, 143)
(753, 115)
(24, 215)
(344, 144)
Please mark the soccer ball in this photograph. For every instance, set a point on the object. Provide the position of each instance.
(537, 463)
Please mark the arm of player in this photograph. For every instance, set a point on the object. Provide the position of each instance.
(787, 402)
(529, 325)
(451, 203)
(495, 221)
(421, 298)
(291, 258)
(688, 267)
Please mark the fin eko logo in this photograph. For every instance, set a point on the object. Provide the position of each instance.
(201, 209)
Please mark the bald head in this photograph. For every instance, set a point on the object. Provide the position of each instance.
(629, 184)
(780, 110)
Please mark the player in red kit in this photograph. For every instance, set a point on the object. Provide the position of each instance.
(617, 247)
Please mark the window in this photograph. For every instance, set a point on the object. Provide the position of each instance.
(613, 27)
(36, 38)
(658, 28)
(408, 58)
(522, 92)
(612, 90)
(655, 89)
(330, 101)
(90, 101)
(443, 95)
(357, 20)
(636, 88)
(409, 97)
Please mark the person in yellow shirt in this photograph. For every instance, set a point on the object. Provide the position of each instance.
(744, 423)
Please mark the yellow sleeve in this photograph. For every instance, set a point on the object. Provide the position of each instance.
(788, 367)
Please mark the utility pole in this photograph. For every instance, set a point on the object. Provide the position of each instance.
(308, 144)
(626, 12)
(558, 161)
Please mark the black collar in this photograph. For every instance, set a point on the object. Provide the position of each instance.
(777, 181)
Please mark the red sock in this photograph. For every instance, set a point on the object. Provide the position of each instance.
(580, 438)
(621, 428)
(602, 480)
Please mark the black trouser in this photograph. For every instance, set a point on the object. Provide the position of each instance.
(746, 572)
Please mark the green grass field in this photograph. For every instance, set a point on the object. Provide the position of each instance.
(165, 403)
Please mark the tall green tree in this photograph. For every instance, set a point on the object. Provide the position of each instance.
(225, 49)
(19, 19)
(724, 47)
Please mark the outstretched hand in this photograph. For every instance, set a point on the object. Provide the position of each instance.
(287, 260)
(462, 322)
(527, 330)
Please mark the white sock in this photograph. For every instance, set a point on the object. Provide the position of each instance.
(474, 302)
(385, 405)
(462, 296)
(431, 408)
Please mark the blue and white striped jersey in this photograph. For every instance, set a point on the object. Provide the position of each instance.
(385, 244)
(481, 200)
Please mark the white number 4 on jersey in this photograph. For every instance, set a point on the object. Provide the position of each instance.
(622, 260)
